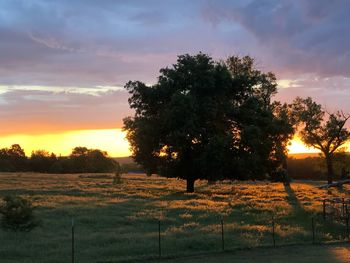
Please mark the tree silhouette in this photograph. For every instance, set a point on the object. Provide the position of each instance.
(42, 161)
(178, 119)
(13, 159)
(205, 120)
(321, 130)
(84, 160)
(263, 128)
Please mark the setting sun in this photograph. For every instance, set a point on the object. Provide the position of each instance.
(111, 140)
(297, 146)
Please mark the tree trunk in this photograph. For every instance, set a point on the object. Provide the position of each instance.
(286, 179)
(329, 169)
(211, 182)
(190, 185)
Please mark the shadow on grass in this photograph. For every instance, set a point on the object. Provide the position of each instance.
(324, 230)
(294, 202)
(342, 189)
(299, 216)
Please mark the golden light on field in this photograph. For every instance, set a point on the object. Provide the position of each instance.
(111, 140)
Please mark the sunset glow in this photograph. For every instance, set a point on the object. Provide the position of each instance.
(142, 130)
(111, 140)
(62, 77)
(297, 146)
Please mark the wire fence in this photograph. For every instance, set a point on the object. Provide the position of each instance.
(167, 239)
(330, 226)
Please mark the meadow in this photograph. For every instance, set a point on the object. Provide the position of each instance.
(119, 222)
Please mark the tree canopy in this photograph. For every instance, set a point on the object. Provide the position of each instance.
(207, 120)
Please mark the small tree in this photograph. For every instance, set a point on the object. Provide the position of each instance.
(13, 159)
(327, 134)
(17, 214)
(117, 179)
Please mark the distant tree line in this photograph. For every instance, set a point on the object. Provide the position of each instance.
(215, 120)
(81, 160)
(315, 168)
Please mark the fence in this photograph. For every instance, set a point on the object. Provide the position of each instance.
(336, 209)
(320, 231)
(162, 238)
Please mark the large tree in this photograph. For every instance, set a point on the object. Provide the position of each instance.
(321, 130)
(181, 122)
(203, 119)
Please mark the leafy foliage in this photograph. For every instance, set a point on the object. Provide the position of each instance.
(91, 160)
(209, 120)
(13, 159)
(263, 128)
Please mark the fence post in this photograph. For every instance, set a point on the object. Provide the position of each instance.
(222, 235)
(72, 240)
(159, 244)
(347, 226)
(313, 230)
(273, 231)
(324, 209)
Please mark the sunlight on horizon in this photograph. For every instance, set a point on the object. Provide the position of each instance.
(111, 140)
(297, 146)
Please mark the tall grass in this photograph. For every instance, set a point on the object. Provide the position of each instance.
(120, 221)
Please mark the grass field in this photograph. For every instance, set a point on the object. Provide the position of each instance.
(118, 222)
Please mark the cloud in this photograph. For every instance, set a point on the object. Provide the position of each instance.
(83, 43)
(111, 42)
(332, 93)
(36, 111)
(67, 46)
(298, 36)
(51, 42)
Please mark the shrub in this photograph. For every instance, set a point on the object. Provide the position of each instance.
(17, 214)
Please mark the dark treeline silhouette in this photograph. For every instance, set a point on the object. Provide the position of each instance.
(315, 168)
(81, 160)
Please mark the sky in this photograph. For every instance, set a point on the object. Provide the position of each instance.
(63, 63)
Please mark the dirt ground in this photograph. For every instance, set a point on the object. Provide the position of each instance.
(294, 254)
